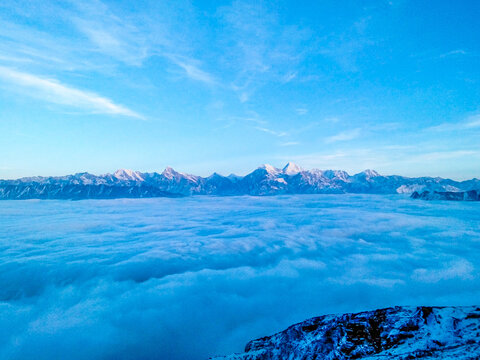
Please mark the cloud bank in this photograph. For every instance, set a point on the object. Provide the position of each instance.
(190, 278)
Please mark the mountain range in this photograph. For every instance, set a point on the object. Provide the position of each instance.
(265, 180)
(397, 333)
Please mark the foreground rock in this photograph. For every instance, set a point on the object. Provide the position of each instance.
(393, 333)
(472, 195)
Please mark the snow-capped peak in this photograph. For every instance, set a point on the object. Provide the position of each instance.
(370, 173)
(270, 169)
(292, 169)
(125, 174)
(169, 172)
(335, 174)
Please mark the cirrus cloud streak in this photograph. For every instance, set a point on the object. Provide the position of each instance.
(55, 92)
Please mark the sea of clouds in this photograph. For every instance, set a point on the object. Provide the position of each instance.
(193, 277)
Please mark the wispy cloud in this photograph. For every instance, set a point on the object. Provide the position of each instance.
(290, 143)
(23, 44)
(290, 76)
(332, 119)
(192, 70)
(195, 73)
(251, 117)
(345, 48)
(101, 38)
(261, 47)
(471, 122)
(53, 91)
(453, 53)
(122, 42)
(134, 42)
(443, 155)
(272, 132)
(301, 111)
(344, 136)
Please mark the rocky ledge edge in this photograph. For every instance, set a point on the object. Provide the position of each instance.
(423, 332)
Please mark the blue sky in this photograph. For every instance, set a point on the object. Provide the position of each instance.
(225, 86)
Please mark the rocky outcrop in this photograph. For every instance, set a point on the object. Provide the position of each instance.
(392, 333)
(472, 195)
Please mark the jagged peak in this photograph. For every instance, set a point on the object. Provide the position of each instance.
(234, 177)
(369, 173)
(270, 169)
(215, 175)
(126, 174)
(169, 172)
(291, 169)
(331, 174)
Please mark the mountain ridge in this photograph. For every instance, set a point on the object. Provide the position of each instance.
(265, 180)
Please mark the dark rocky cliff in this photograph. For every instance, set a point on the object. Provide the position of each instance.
(472, 195)
(392, 333)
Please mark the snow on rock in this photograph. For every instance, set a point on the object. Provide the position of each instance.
(128, 175)
(471, 195)
(270, 169)
(170, 173)
(291, 169)
(335, 174)
(368, 174)
(393, 333)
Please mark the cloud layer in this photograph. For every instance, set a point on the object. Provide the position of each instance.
(190, 278)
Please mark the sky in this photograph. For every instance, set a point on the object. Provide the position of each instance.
(189, 278)
(225, 86)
